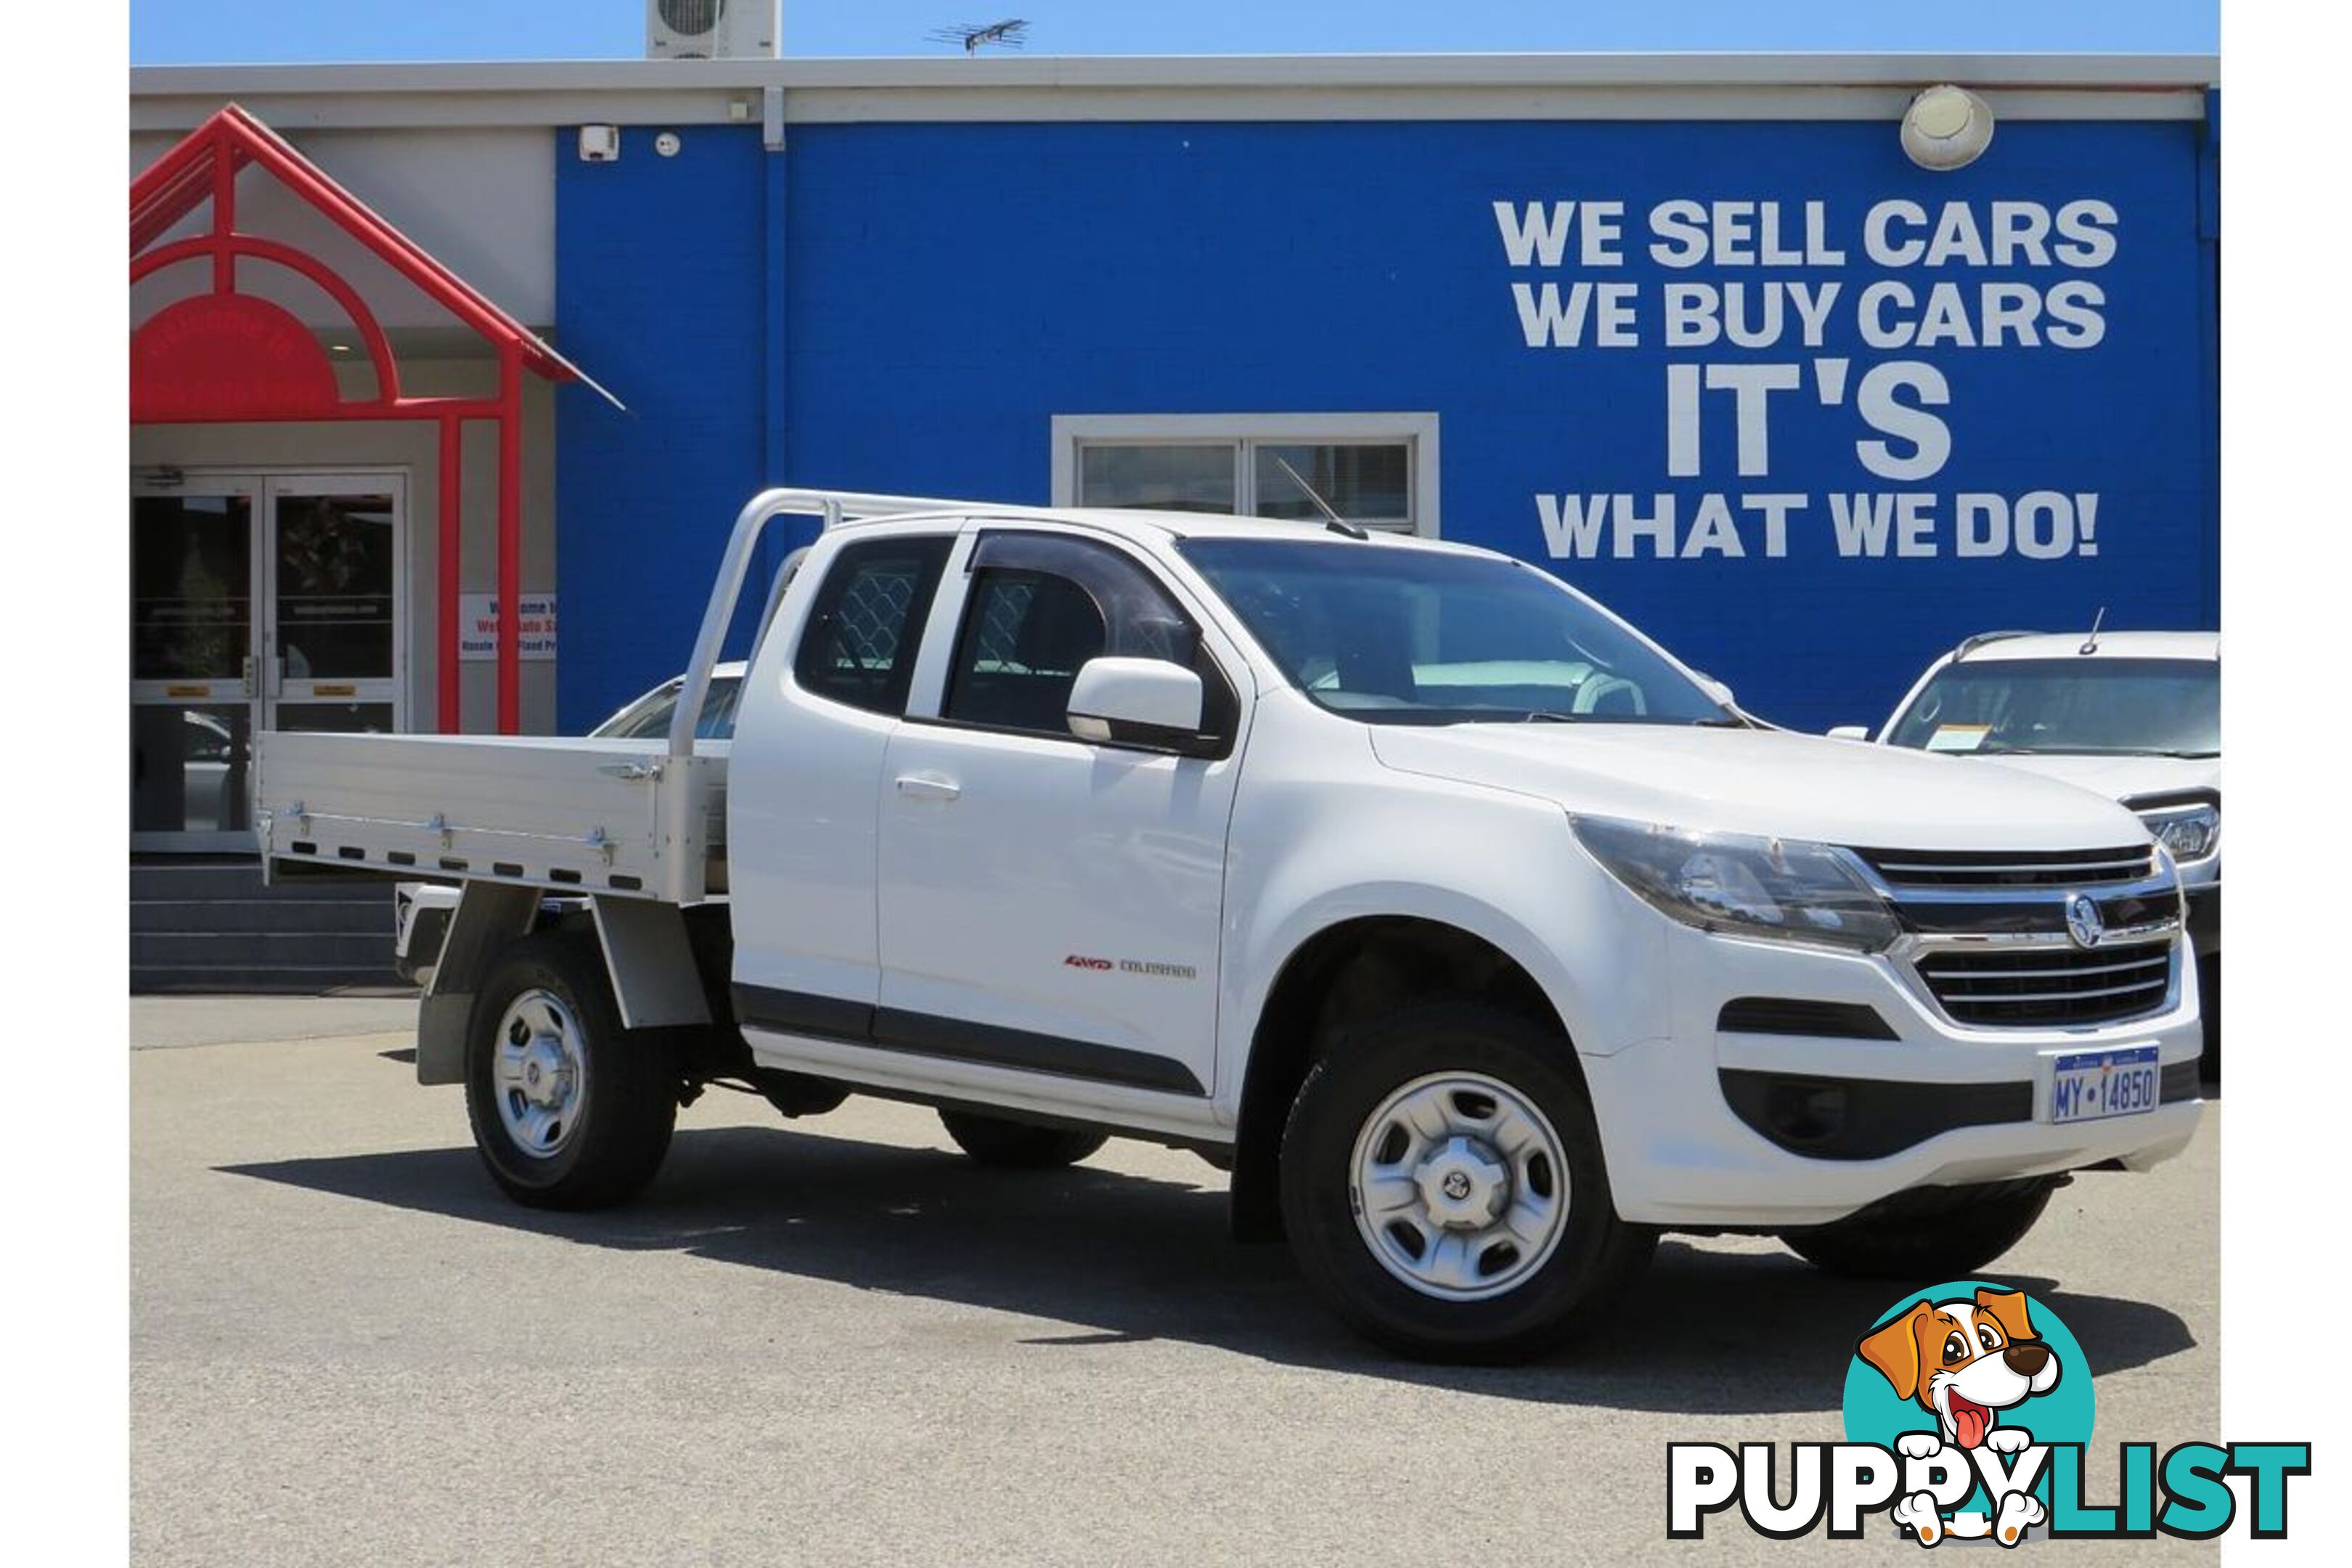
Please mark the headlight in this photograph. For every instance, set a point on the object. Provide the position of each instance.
(2190, 832)
(1776, 887)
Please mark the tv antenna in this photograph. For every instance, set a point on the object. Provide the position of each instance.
(1009, 34)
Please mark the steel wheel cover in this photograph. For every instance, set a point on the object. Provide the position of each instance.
(1459, 1186)
(539, 1075)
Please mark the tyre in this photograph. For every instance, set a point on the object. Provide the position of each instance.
(570, 1109)
(1952, 1244)
(1443, 1189)
(1019, 1145)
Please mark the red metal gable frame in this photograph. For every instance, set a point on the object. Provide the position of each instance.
(223, 355)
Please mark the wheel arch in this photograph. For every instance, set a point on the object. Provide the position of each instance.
(1352, 967)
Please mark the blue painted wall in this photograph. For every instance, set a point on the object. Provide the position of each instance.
(906, 307)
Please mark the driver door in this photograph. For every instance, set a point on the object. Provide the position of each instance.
(1051, 905)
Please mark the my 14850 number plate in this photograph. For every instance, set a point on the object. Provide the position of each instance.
(2090, 1086)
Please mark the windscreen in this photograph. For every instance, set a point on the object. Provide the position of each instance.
(2099, 706)
(648, 717)
(1422, 636)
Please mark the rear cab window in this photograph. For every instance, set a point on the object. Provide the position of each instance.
(858, 645)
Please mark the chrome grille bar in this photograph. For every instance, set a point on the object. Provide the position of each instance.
(2011, 868)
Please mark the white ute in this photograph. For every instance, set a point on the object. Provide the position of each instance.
(1477, 937)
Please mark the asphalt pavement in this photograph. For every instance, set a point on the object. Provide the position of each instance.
(835, 1340)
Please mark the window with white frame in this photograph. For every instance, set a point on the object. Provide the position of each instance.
(1376, 471)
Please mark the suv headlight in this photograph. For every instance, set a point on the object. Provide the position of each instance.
(1782, 888)
(2190, 832)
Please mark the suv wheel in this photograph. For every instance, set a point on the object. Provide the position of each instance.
(1443, 1189)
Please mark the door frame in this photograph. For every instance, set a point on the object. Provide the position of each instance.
(260, 690)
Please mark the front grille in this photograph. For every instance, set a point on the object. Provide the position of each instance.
(2025, 986)
(2012, 869)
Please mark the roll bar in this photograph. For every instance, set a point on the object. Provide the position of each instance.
(835, 506)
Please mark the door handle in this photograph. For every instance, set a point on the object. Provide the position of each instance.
(928, 786)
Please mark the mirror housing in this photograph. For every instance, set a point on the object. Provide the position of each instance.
(1146, 703)
(1850, 732)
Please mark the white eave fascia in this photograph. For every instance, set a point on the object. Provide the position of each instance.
(1362, 86)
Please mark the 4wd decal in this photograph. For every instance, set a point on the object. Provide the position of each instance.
(1133, 966)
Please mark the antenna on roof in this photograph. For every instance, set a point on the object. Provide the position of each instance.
(1009, 34)
(2091, 643)
(1331, 519)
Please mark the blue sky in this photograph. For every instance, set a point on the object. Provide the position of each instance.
(179, 31)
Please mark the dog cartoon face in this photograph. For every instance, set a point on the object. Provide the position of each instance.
(1964, 1361)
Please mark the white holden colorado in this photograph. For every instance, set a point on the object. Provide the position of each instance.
(1479, 938)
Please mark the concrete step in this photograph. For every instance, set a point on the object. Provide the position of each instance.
(263, 950)
(209, 923)
(173, 881)
(267, 916)
(279, 979)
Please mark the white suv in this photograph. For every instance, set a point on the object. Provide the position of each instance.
(2136, 716)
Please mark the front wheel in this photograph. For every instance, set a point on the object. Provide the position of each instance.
(570, 1109)
(1443, 1189)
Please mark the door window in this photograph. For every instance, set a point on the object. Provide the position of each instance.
(192, 664)
(1042, 604)
(859, 645)
(1024, 636)
(190, 586)
(188, 767)
(335, 575)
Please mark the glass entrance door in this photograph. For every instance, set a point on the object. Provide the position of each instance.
(193, 662)
(332, 622)
(258, 603)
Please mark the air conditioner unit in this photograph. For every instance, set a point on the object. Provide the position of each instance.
(712, 29)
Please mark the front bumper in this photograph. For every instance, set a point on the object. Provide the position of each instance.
(1974, 1103)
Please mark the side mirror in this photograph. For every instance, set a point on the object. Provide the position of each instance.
(1716, 690)
(1137, 702)
(1850, 732)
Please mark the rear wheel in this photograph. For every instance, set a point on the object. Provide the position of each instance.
(1443, 1189)
(570, 1109)
(1949, 1244)
(1019, 1145)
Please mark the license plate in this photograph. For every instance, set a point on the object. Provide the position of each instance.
(2090, 1086)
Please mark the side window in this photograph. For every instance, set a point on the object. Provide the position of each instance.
(1042, 604)
(858, 646)
(1024, 635)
